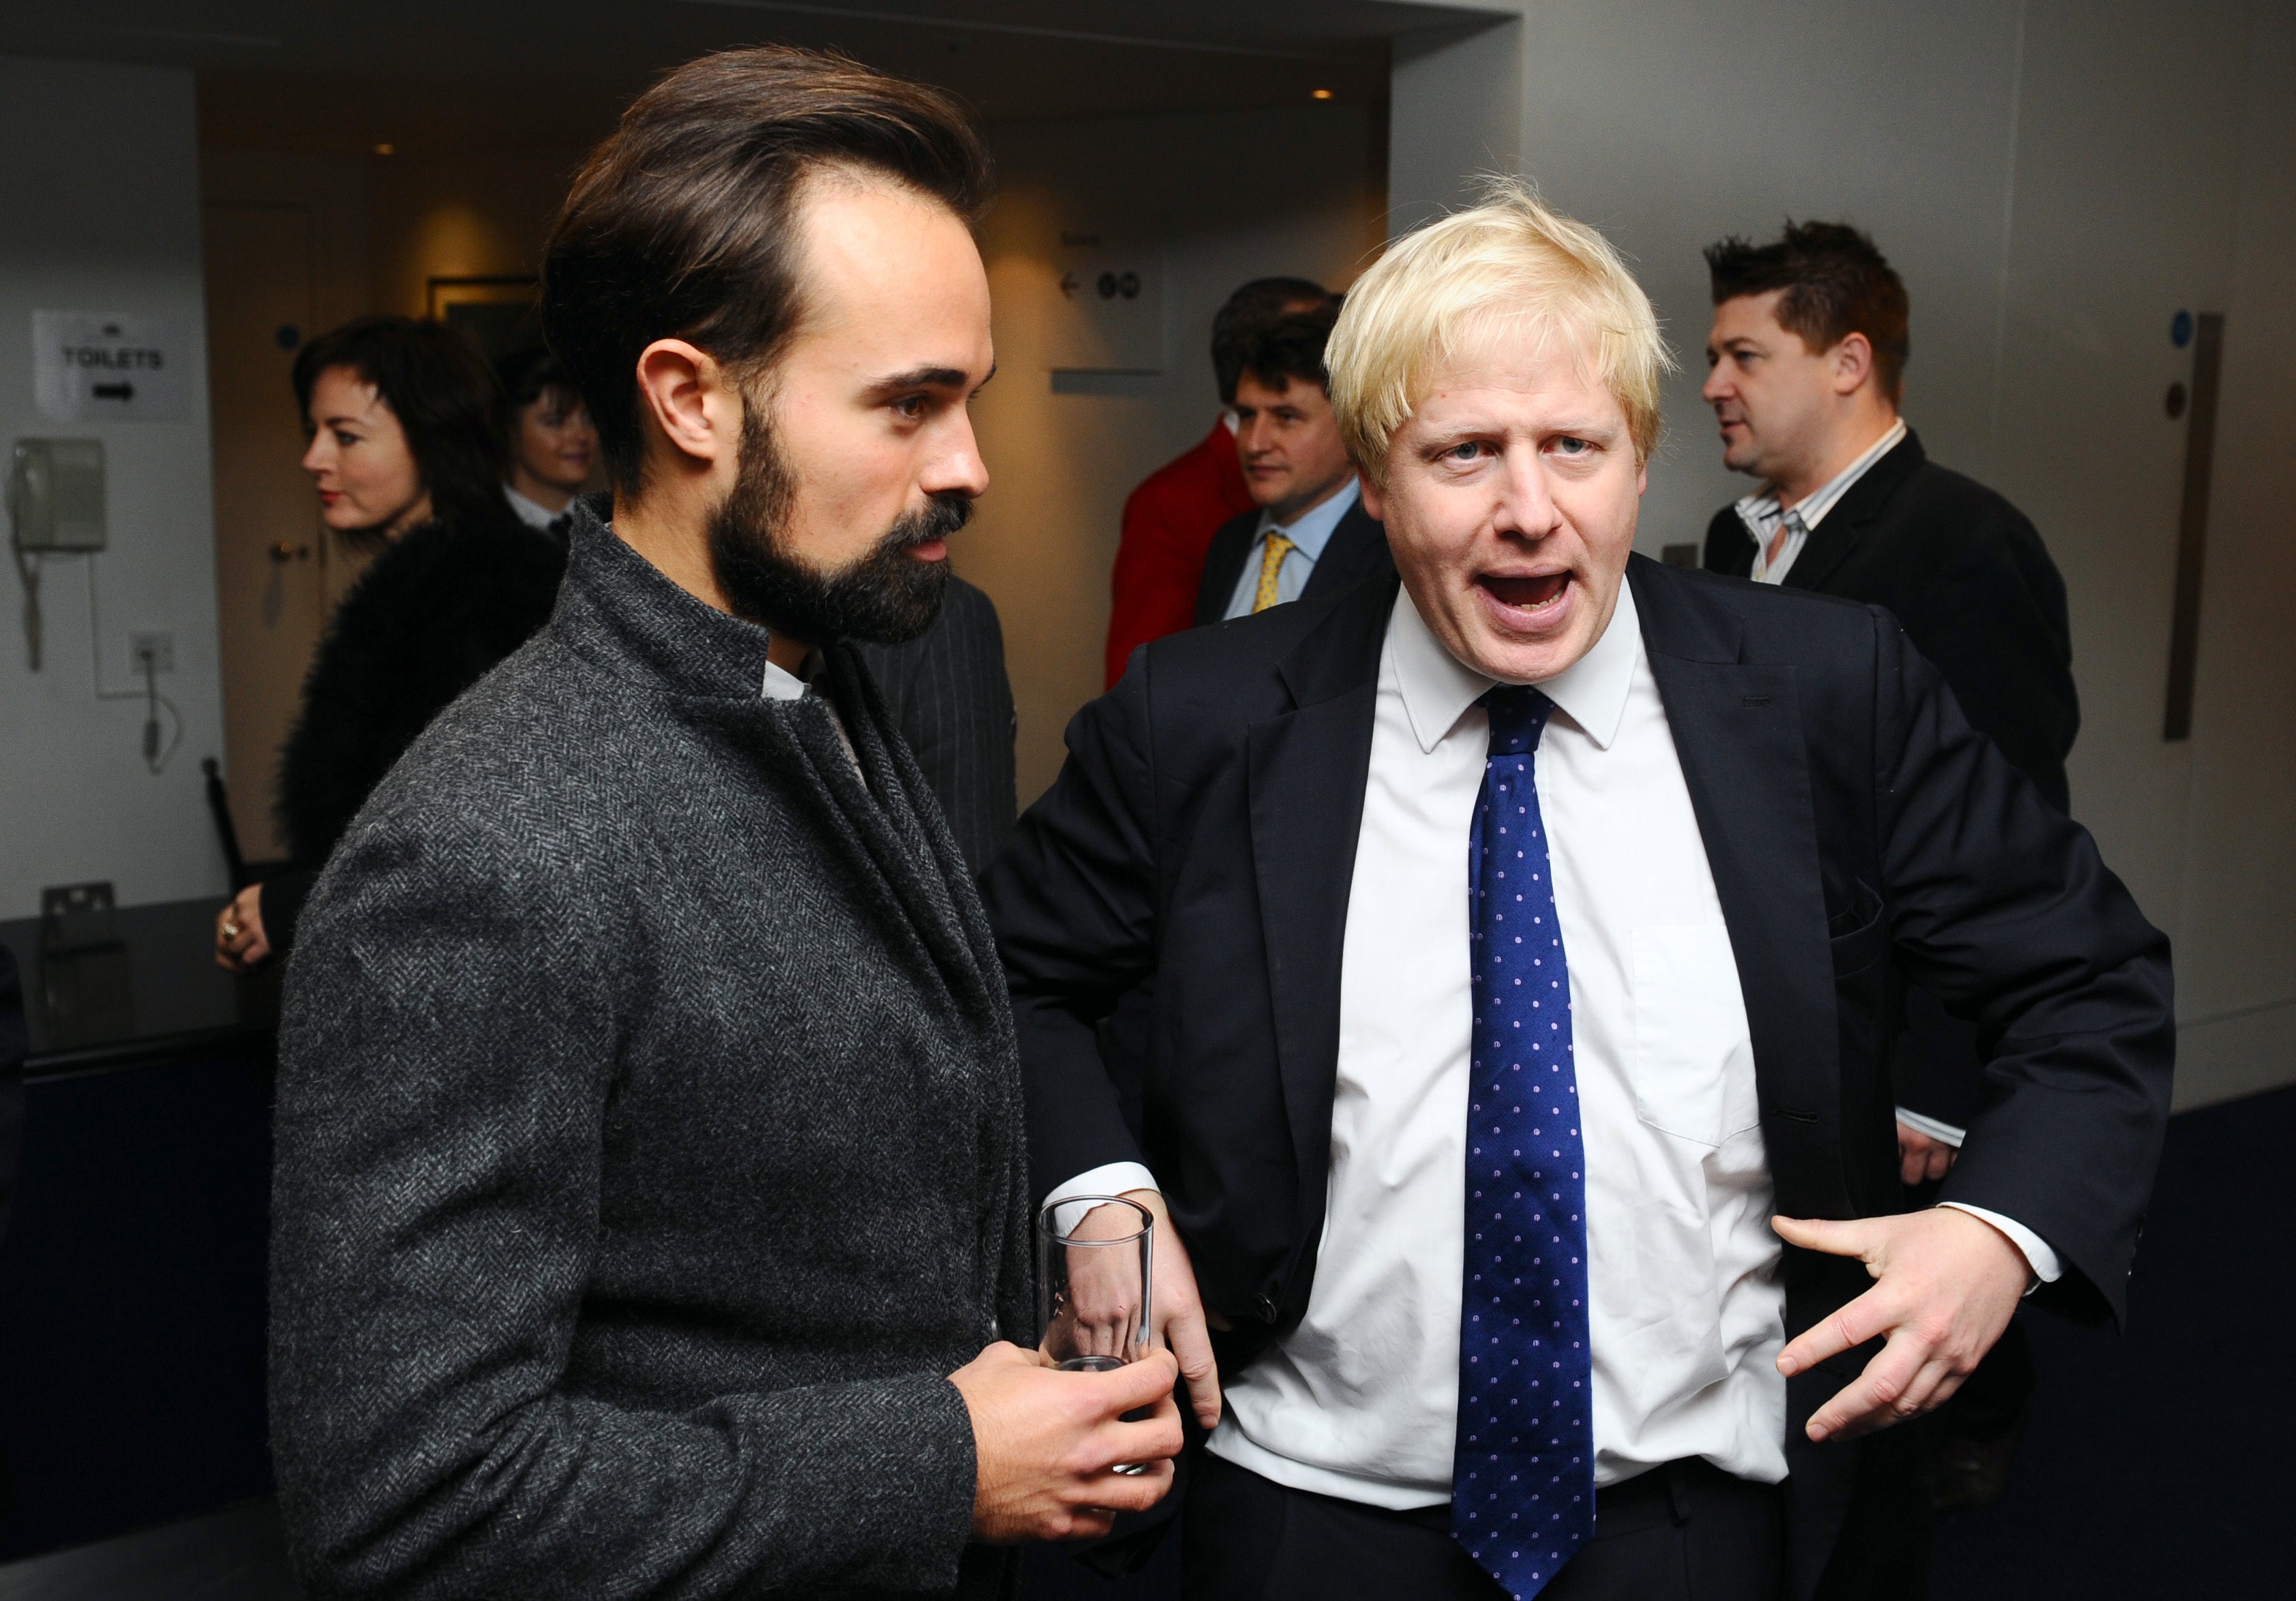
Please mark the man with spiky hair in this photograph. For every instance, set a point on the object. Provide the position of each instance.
(650, 1205)
(1807, 363)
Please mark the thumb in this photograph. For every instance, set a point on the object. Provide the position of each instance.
(1193, 1349)
(1834, 1238)
(1137, 1383)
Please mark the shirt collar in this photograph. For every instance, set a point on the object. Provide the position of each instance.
(1438, 687)
(1313, 531)
(783, 684)
(530, 512)
(1762, 506)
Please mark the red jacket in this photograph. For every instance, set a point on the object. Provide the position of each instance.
(1169, 524)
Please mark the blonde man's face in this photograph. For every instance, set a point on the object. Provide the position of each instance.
(1510, 502)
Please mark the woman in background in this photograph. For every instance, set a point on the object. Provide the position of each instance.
(405, 420)
(553, 447)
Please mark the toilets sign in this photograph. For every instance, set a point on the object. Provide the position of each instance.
(87, 367)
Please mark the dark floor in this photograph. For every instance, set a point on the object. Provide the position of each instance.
(234, 1555)
(2155, 1466)
(2161, 1464)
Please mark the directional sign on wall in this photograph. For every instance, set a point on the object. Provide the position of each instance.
(1110, 316)
(89, 366)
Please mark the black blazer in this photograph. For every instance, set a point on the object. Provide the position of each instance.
(1968, 576)
(1200, 831)
(1356, 551)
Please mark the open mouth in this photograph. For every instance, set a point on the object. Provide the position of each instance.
(1529, 596)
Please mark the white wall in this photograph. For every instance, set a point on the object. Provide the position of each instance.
(2054, 178)
(1230, 196)
(101, 194)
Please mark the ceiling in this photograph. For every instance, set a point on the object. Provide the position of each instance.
(443, 75)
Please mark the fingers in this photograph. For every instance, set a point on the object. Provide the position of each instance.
(1854, 1237)
(1909, 1377)
(1848, 1328)
(1138, 1383)
(1193, 1347)
(1940, 1160)
(1113, 1491)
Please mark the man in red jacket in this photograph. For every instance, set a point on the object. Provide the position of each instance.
(1169, 519)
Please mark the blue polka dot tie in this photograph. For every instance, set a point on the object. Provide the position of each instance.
(1522, 1480)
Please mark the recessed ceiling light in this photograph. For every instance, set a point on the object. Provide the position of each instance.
(1323, 94)
(386, 150)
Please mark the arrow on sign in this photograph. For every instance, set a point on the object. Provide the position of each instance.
(112, 392)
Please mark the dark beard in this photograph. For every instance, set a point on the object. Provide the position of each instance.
(887, 597)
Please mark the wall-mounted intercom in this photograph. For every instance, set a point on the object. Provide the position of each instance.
(55, 507)
(55, 495)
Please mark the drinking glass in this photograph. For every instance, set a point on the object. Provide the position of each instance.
(1092, 1284)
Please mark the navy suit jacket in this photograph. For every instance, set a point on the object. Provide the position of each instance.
(1858, 830)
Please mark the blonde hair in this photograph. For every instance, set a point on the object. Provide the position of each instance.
(1509, 258)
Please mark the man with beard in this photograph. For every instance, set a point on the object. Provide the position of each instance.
(650, 1198)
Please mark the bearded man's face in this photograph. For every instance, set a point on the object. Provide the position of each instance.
(887, 595)
(857, 455)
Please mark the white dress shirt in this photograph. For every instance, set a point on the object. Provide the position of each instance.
(1760, 512)
(1308, 535)
(1360, 1401)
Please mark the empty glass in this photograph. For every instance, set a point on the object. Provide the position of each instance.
(1093, 1286)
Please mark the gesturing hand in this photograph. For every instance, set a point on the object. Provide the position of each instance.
(1949, 1283)
(1046, 1443)
(1177, 1316)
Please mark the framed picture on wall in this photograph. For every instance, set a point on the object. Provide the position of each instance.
(499, 313)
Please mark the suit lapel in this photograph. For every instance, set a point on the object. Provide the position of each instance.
(1307, 771)
(1737, 729)
(1356, 550)
(1844, 527)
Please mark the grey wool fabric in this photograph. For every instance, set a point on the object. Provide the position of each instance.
(649, 1140)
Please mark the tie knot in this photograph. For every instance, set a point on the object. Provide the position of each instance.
(1518, 713)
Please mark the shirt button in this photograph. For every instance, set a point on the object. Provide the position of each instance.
(1267, 1307)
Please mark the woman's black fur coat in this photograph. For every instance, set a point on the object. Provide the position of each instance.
(438, 608)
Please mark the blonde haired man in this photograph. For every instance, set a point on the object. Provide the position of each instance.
(1472, 1153)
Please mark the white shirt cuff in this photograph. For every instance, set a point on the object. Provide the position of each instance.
(1945, 1134)
(2046, 1268)
(1114, 1179)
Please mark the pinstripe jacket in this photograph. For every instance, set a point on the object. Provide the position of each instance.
(949, 695)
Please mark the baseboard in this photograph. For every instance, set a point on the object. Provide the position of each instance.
(2223, 1058)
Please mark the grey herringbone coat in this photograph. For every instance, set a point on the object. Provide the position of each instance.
(649, 1140)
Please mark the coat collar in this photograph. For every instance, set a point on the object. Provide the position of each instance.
(1340, 653)
(621, 612)
(1834, 537)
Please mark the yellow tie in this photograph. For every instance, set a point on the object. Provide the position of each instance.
(1271, 563)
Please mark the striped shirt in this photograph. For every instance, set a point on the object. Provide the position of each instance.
(1760, 512)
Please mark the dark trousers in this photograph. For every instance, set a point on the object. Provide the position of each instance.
(1686, 1531)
